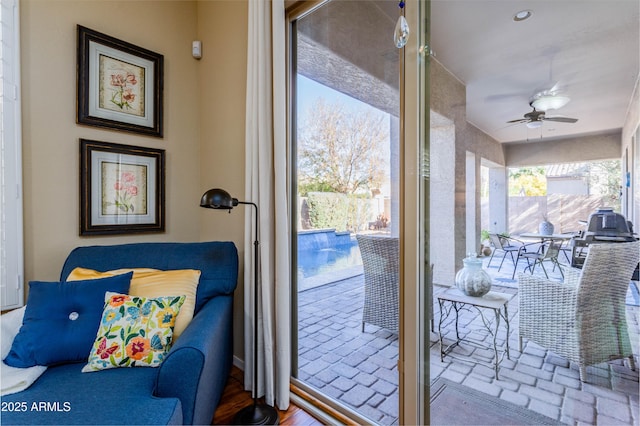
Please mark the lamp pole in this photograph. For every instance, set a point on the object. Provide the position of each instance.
(255, 414)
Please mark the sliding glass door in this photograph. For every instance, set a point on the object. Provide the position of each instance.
(346, 106)
(347, 167)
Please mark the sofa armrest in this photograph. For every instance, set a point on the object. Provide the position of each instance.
(198, 365)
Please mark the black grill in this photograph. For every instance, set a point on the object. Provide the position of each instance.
(607, 226)
(603, 226)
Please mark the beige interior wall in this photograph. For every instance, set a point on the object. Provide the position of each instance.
(222, 27)
(51, 135)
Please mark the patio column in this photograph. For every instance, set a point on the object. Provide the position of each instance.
(442, 199)
(470, 203)
(498, 196)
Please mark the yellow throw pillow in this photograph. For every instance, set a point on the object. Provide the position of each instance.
(152, 283)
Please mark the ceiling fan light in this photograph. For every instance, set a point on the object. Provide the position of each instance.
(534, 124)
(545, 103)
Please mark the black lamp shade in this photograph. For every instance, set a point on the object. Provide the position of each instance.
(218, 199)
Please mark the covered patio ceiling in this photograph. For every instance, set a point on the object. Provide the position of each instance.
(347, 59)
(587, 50)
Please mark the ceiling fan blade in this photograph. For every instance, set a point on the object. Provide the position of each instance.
(556, 88)
(547, 90)
(561, 119)
(510, 125)
(519, 120)
(504, 97)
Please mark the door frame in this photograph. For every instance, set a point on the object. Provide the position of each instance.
(415, 307)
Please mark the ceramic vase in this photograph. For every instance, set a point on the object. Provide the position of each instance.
(472, 280)
(545, 228)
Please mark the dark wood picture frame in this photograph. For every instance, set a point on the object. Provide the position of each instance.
(120, 85)
(122, 188)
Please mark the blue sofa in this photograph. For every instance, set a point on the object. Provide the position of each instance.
(187, 386)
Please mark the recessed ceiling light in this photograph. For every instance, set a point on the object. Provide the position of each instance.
(522, 15)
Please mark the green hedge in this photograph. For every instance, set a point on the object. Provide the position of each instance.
(338, 211)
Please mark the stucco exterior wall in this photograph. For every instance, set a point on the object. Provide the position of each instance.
(631, 147)
(448, 99)
(587, 148)
(632, 121)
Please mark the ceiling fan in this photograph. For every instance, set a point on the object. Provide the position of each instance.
(534, 119)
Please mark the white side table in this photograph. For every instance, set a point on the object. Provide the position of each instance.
(454, 300)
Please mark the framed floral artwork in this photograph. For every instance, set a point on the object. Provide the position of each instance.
(120, 86)
(121, 188)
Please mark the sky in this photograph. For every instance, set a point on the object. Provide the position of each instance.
(309, 91)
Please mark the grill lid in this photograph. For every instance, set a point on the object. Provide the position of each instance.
(606, 225)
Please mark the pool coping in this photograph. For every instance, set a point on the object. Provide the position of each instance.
(329, 278)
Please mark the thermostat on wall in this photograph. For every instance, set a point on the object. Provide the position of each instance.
(196, 49)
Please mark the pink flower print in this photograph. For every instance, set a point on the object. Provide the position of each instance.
(131, 79)
(123, 94)
(126, 191)
(128, 177)
(128, 95)
(117, 80)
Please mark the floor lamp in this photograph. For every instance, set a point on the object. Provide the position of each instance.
(258, 413)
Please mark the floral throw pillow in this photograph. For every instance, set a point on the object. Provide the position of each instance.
(134, 331)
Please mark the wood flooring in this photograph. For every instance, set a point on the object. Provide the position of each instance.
(234, 398)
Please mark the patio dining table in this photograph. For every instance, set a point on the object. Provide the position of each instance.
(543, 238)
(546, 237)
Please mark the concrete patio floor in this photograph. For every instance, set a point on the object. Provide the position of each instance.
(360, 369)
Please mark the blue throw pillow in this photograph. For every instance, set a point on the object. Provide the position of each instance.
(61, 321)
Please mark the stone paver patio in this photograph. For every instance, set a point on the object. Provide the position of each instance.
(360, 369)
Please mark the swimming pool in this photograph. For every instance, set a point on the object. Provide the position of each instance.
(328, 260)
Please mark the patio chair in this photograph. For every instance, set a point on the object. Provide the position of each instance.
(550, 253)
(567, 247)
(380, 261)
(508, 246)
(583, 318)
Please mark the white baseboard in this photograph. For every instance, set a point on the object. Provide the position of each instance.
(238, 363)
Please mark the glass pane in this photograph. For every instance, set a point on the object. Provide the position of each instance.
(521, 183)
(347, 185)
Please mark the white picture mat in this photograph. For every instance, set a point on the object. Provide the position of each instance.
(97, 49)
(97, 218)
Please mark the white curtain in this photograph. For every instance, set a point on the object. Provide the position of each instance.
(266, 185)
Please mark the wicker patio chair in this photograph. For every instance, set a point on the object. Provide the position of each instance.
(583, 318)
(380, 261)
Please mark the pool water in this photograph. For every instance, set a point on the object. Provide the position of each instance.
(327, 260)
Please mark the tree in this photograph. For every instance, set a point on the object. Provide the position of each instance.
(527, 181)
(605, 180)
(340, 150)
